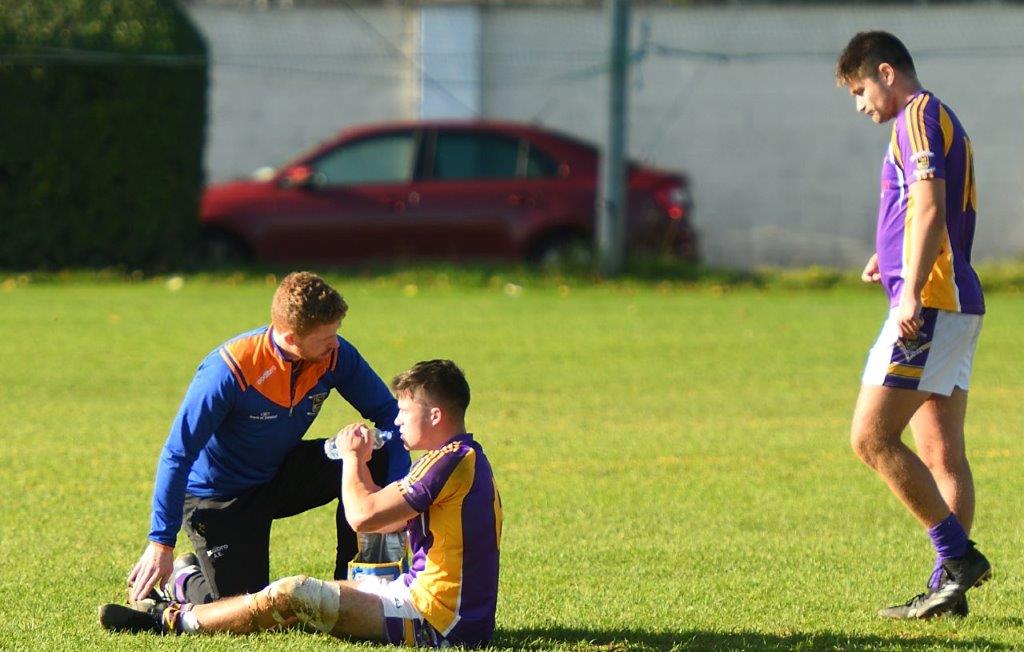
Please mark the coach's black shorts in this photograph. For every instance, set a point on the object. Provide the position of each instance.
(232, 535)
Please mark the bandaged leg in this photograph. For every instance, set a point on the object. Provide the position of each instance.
(310, 600)
(279, 605)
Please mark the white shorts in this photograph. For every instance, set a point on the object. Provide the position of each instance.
(937, 361)
(403, 623)
(393, 594)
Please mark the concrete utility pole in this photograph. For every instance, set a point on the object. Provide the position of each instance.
(611, 225)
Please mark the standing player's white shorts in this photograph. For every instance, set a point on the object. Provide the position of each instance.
(939, 359)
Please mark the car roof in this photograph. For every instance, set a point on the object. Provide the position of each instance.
(503, 126)
(463, 123)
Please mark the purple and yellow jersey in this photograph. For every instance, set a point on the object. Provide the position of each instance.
(453, 578)
(928, 142)
(248, 406)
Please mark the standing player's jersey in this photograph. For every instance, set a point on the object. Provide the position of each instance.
(928, 142)
(453, 578)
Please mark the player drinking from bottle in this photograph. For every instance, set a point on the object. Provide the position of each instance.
(450, 508)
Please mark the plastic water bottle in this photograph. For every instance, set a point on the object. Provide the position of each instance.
(379, 438)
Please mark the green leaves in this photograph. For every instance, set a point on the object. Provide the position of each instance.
(111, 26)
(101, 160)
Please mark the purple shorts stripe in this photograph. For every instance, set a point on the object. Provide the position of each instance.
(411, 633)
(909, 357)
(394, 629)
(900, 382)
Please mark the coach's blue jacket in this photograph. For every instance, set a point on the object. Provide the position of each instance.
(246, 410)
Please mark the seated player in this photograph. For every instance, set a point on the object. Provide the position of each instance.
(450, 508)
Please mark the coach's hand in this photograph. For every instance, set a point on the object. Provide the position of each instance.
(355, 441)
(153, 567)
(871, 273)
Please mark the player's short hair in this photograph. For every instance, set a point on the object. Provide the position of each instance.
(866, 51)
(441, 380)
(304, 301)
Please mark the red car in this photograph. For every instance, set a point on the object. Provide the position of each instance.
(440, 190)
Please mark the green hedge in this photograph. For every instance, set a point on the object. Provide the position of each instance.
(103, 119)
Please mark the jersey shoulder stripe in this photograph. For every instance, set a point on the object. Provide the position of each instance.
(915, 125)
(431, 459)
(236, 371)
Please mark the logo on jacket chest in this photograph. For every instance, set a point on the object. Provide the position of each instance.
(265, 415)
(263, 377)
(316, 402)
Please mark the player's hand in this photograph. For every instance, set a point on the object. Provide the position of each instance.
(355, 441)
(871, 272)
(909, 315)
(152, 569)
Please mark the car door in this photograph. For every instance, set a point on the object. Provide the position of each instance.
(355, 203)
(472, 196)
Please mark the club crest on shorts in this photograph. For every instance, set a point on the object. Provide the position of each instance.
(910, 349)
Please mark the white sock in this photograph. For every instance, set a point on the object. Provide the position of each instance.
(189, 624)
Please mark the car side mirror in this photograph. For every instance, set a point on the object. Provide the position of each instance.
(299, 176)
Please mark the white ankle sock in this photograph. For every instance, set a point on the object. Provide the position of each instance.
(189, 624)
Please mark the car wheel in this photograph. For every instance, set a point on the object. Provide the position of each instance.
(224, 250)
(564, 251)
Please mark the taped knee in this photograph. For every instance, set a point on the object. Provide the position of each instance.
(313, 601)
(274, 600)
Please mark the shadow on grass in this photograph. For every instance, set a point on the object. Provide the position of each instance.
(623, 640)
(1010, 621)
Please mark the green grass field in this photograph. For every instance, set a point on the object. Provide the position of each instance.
(673, 460)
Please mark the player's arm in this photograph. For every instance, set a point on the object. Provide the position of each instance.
(208, 400)
(364, 390)
(368, 508)
(927, 233)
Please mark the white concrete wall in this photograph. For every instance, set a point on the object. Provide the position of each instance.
(283, 80)
(784, 171)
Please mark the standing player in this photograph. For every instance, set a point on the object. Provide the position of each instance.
(917, 373)
(235, 459)
(451, 509)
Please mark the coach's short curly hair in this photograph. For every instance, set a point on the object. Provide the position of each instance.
(868, 50)
(441, 380)
(304, 301)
